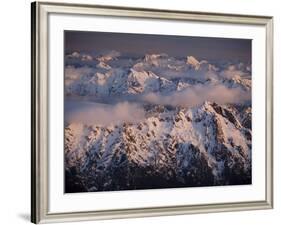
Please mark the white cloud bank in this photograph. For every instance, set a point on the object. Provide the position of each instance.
(73, 74)
(101, 114)
(198, 94)
(233, 72)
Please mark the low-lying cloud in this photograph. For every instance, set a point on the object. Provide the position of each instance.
(198, 94)
(101, 114)
(72, 74)
(232, 72)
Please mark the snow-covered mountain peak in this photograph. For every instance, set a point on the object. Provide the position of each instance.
(75, 54)
(80, 56)
(104, 58)
(153, 59)
(207, 106)
(103, 65)
(142, 81)
(191, 60)
(239, 82)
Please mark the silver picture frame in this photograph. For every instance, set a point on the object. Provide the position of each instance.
(39, 151)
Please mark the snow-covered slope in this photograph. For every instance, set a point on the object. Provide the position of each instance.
(206, 145)
(192, 61)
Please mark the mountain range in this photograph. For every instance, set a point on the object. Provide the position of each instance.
(155, 121)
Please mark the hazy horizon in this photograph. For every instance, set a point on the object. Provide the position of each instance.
(177, 46)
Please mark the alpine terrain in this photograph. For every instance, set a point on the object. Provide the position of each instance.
(155, 121)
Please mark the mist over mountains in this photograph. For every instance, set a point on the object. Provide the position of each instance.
(155, 121)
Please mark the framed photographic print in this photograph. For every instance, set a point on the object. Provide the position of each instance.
(147, 112)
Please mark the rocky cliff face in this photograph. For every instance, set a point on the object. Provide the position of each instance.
(172, 147)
